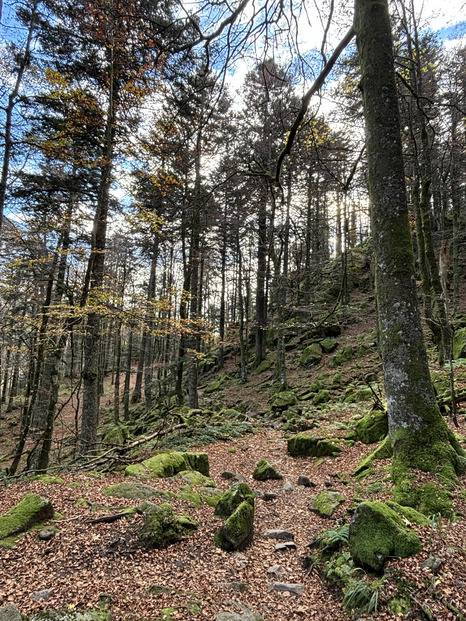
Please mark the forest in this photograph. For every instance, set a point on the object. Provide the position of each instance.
(233, 233)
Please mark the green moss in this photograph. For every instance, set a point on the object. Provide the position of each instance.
(409, 513)
(162, 527)
(303, 445)
(189, 495)
(217, 384)
(459, 344)
(265, 471)
(197, 461)
(326, 502)
(322, 396)
(211, 495)
(237, 527)
(283, 400)
(328, 345)
(437, 452)
(130, 490)
(48, 479)
(264, 366)
(383, 451)
(169, 464)
(373, 427)
(73, 615)
(399, 606)
(232, 498)
(33, 509)
(312, 355)
(193, 477)
(358, 396)
(119, 434)
(378, 533)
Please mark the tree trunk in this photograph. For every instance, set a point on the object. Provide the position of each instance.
(418, 433)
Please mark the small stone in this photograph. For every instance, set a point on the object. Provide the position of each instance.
(285, 546)
(239, 587)
(276, 570)
(287, 486)
(305, 482)
(283, 535)
(257, 493)
(432, 563)
(41, 595)
(227, 475)
(10, 613)
(47, 533)
(296, 589)
(269, 496)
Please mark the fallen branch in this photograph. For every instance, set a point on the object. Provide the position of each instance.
(108, 519)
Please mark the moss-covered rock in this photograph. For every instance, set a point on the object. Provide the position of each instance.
(358, 396)
(197, 461)
(193, 477)
(323, 396)
(210, 495)
(217, 384)
(283, 400)
(328, 345)
(265, 471)
(409, 513)
(72, 615)
(325, 503)
(33, 509)
(163, 527)
(383, 451)
(312, 355)
(190, 496)
(303, 445)
(264, 366)
(131, 490)
(459, 344)
(118, 434)
(232, 498)
(429, 499)
(377, 533)
(48, 479)
(168, 464)
(343, 357)
(237, 528)
(372, 427)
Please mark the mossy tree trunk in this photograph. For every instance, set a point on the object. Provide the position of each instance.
(419, 435)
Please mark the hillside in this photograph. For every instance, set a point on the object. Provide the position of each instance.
(95, 558)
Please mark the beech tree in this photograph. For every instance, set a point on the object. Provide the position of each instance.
(419, 436)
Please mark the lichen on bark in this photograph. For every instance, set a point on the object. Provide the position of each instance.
(419, 436)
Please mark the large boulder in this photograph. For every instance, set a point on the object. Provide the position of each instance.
(230, 500)
(168, 464)
(162, 526)
(33, 509)
(377, 533)
(373, 427)
(303, 445)
(237, 528)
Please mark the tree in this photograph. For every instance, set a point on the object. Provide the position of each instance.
(419, 435)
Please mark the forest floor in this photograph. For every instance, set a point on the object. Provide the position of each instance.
(90, 564)
(86, 563)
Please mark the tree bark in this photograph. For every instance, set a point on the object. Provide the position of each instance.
(418, 433)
